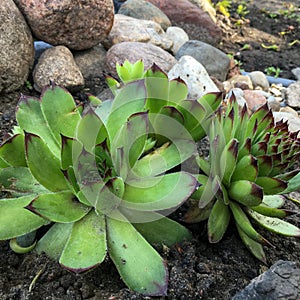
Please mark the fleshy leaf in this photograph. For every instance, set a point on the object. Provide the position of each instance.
(275, 225)
(164, 158)
(31, 119)
(130, 100)
(43, 164)
(163, 231)
(271, 186)
(254, 247)
(15, 220)
(157, 193)
(86, 246)
(131, 138)
(58, 207)
(140, 266)
(218, 221)
(246, 192)
(60, 112)
(18, 181)
(54, 240)
(12, 151)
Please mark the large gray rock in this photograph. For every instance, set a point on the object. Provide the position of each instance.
(16, 47)
(134, 51)
(141, 9)
(196, 23)
(281, 281)
(128, 29)
(79, 24)
(194, 75)
(57, 65)
(214, 60)
(91, 62)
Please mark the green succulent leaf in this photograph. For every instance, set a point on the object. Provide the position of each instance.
(139, 265)
(228, 161)
(246, 192)
(270, 211)
(246, 169)
(158, 193)
(130, 100)
(12, 152)
(131, 139)
(271, 186)
(86, 245)
(275, 201)
(163, 231)
(274, 224)
(18, 181)
(218, 221)
(25, 222)
(54, 240)
(53, 115)
(244, 223)
(164, 158)
(293, 184)
(59, 111)
(43, 164)
(58, 207)
(253, 246)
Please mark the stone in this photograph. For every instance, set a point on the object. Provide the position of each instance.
(192, 19)
(289, 110)
(57, 65)
(296, 72)
(214, 60)
(281, 281)
(79, 24)
(273, 103)
(134, 51)
(207, 7)
(259, 79)
(16, 47)
(141, 9)
(241, 81)
(254, 99)
(178, 36)
(293, 94)
(195, 76)
(128, 29)
(91, 62)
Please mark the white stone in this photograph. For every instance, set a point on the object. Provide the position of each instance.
(178, 36)
(195, 76)
(259, 79)
(128, 29)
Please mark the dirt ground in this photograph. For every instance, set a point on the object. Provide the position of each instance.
(198, 270)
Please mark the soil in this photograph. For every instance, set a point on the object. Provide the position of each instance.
(198, 270)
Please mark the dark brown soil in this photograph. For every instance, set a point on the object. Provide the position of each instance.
(198, 270)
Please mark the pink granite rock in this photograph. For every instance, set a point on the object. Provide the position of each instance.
(254, 99)
(16, 47)
(196, 23)
(77, 24)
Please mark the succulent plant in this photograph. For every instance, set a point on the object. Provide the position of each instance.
(167, 99)
(244, 174)
(96, 183)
